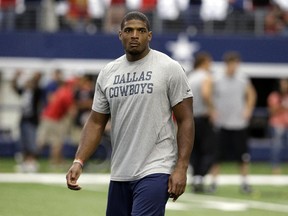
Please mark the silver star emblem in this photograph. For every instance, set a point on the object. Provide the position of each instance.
(183, 49)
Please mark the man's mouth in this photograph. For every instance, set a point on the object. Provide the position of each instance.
(134, 44)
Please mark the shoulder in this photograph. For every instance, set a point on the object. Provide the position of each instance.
(193, 75)
(109, 68)
(242, 77)
(163, 58)
(217, 76)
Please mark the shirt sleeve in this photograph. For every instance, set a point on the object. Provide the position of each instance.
(178, 86)
(100, 102)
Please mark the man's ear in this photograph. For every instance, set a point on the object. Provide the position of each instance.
(150, 36)
(120, 35)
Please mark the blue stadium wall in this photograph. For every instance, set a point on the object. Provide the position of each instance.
(100, 46)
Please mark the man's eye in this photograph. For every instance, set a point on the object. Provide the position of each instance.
(142, 30)
(127, 30)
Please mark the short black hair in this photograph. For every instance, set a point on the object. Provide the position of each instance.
(136, 15)
(231, 56)
(201, 57)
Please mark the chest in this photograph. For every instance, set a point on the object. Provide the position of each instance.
(230, 88)
(134, 84)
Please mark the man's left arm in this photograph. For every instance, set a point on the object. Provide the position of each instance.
(183, 113)
(251, 97)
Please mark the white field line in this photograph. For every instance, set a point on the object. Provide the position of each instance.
(51, 178)
(231, 204)
(276, 180)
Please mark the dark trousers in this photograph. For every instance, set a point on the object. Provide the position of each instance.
(204, 146)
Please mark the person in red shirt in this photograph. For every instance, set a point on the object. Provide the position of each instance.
(78, 16)
(114, 14)
(8, 14)
(278, 122)
(54, 119)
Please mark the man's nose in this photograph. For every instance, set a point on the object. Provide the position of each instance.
(135, 33)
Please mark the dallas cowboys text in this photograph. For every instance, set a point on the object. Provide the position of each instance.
(131, 84)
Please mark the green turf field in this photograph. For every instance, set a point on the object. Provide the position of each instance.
(35, 199)
(56, 200)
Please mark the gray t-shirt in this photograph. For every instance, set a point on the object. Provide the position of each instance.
(229, 98)
(196, 80)
(139, 96)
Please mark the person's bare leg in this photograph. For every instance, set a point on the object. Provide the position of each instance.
(214, 172)
(244, 171)
(56, 155)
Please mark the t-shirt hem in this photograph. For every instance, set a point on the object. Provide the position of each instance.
(134, 178)
(100, 111)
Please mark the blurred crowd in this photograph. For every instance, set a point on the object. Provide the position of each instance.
(53, 113)
(194, 16)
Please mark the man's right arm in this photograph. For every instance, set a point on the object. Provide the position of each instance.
(207, 94)
(89, 141)
(251, 97)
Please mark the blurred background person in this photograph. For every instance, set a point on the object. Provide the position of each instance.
(56, 120)
(214, 14)
(8, 14)
(240, 16)
(278, 123)
(114, 14)
(274, 22)
(52, 85)
(78, 17)
(97, 11)
(148, 7)
(235, 98)
(191, 17)
(83, 99)
(30, 94)
(169, 13)
(49, 20)
(200, 81)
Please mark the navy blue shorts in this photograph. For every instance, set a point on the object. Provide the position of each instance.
(147, 196)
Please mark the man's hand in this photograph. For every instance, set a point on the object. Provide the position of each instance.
(177, 184)
(72, 176)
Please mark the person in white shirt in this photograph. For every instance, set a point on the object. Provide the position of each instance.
(234, 99)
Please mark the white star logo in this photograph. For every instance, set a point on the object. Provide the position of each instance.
(183, 49)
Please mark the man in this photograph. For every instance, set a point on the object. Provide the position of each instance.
(277, 103)
(234, 99)
(56, 81)
(83, 99)
(54, 119)
(140, 90)
(30, 98)
(200, 81)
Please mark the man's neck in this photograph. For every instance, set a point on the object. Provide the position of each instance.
(132, 58)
